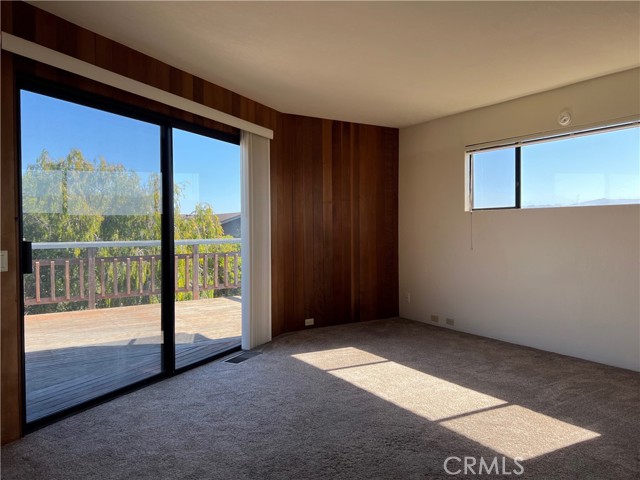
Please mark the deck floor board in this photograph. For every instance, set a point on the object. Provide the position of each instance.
(72, 357)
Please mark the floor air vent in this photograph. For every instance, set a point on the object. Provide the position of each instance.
(242, 357)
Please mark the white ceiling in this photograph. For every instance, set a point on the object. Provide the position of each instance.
(384, 63)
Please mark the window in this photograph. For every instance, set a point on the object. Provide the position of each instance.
(588, 168)
(131, 270)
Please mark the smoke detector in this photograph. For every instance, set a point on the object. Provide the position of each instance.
(564, 118)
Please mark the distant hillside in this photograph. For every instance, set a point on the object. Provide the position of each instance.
(589, 203)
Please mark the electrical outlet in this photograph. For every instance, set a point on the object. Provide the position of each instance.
(407, 297)
(450, 322)
(434, 318)
(308, 322)
(4, 261)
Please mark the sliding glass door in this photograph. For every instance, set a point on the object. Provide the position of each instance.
(208, 262)
(91, 220)
(110, 298)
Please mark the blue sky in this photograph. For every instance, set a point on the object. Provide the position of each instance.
(582, 169)
(207, 169)
(563, 172)
(579, 170)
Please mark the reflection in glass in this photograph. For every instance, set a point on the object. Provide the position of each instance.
(91, 201)
(598, 169)
(208, 259)
(494, 179)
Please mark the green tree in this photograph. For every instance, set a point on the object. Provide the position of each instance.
(203, 223)
(72, 199)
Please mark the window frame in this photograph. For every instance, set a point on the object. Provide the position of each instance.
(517, 146)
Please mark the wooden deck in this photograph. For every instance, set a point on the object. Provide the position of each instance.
(72, 357)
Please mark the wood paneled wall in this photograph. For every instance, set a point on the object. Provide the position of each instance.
(334, 191)
(11, 323)
(336, 202)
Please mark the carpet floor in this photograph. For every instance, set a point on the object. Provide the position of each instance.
(388, 399)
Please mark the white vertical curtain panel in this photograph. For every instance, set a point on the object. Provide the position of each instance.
(256, 241)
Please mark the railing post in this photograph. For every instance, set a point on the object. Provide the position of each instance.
(91, 267)
(52, 280)
(236, 269)
(37, 277)
(196, 273)
(226, 269)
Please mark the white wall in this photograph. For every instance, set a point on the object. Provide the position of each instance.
(565, 280)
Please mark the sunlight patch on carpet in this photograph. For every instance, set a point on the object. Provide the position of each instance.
(339, 358)
(516, 431)
(508, 429)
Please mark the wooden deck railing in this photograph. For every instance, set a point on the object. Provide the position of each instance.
(91, 277)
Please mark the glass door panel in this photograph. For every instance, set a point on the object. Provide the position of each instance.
(91, 206)
(208, 260)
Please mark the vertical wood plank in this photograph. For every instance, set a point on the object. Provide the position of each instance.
(187, 280)
(340, 174)
(320, 306)
(326, 251)
(216, 283)
(235, 270)
(354, 200)
(103, 52)
(226, 269)
(6, 16)
(196, 273)
(282, 222)
(294, 144)
(153, 274)
(67, 283)
(115, 276)
(175, 269)
(128, 274)
(11, 322)
(37, 279)
(91, 277)
(24, 20)
(45, 32)
(103, 285)
(52, 280)
(205, 271)
(81, 277)
(140, 272)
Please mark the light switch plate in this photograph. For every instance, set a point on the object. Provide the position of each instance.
(4, 261)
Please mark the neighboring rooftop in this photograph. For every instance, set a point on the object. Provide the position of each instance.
(227, 217)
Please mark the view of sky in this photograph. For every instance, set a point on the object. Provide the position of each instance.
(206, 169)
(493, 179)
(584, 170)
(593, 169)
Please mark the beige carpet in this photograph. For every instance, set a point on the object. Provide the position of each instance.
(390, 399)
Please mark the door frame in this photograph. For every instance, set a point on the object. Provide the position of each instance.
(166, 123)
